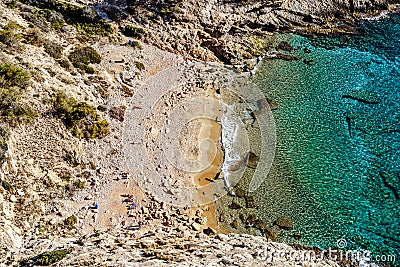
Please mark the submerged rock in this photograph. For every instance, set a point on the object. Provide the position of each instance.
(235, 206)
(253, 160)
(272, 232)
(240, 192)
(285, 222)
(235, 224)
(285, 46)
(250, 203)
(367, 97)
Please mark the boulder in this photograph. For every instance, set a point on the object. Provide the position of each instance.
(235, 224)
(252, 161)
(196, 226)
(272, 232)
(210, 231)
(117, 113)
(250, 203)
(235, 206)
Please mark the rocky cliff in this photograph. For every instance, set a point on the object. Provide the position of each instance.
(230, 31)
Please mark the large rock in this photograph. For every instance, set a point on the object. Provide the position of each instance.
(272, 232)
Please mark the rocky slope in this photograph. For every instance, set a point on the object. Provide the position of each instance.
(230, 31)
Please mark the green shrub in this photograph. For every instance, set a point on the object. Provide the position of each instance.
(34, 37)
(136, 44)
(65, 63)
(70, 222)
(45, 19)
(65, 176)
(85, 19)
(13, 81)
(4, 134)
(81, 57)
(133, 31)
(11, 3)
(53, 49)
(102, 29)
(139, 65)
(80, 118)
(10, 37)
(80, 184)
(11, 75)
(49, 258)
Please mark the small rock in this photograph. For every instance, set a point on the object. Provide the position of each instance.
(196, 226)
(234, 205)
(102, 108)
(53, 221)
(262, 225)
(250, 203)
(297, 236)
(223, 237)
(235, 224)
(118, 113)
(285, 46)
(240, 192)
(210, 231)
(201, 220)
(13, 198)
(252, 161)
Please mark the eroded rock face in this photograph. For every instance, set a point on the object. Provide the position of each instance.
(230, 32)
(10, 235)
(167, 249)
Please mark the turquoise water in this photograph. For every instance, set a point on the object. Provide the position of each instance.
(337, 167)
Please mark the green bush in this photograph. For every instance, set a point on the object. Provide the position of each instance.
(65, 63)
(80, 118)
(81, 57)
(49, 258)
(10, 37)
(80, 184)
(84, 19)
(11, 75)
(45, 19)
(11, 3)
(34, 37)
(53, 49)
(139, 65)
(133, 31)
(102, 29)
(13, 81)
(70, 222)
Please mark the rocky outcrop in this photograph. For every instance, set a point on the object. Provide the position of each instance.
(231, 31)
(157, 248)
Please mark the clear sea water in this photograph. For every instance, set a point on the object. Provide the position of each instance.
(337, 165)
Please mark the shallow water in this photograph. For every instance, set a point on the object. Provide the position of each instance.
(337, 165)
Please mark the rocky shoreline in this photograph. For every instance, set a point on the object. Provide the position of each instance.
(63, 198)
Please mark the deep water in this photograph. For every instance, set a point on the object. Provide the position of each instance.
(337, 166)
